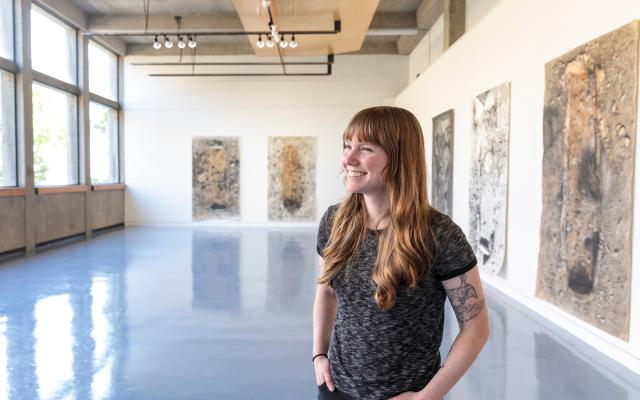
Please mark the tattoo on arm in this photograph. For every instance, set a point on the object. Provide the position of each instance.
(462, 301)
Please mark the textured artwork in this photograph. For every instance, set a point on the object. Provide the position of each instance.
(292, 178)
(216, 178)
(442, 162)
(488, 180)
(589, 139)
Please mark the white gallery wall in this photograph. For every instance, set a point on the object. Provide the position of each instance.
(163, 114)
(512, 44)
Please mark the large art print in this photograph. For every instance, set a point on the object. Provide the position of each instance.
(292, 178)
(442, 162)
(590, 122)
(489, 176)
(215, 178)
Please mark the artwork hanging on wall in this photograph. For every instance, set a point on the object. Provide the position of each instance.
(488, 180)
(215, 178)
(442, 163)
(292, 178)
(590, 122)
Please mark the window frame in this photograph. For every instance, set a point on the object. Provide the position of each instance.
(45, 84)
(96, 98)
(69, 88)
(118, 177)
(11, 66)
(76, 35)
(13, 37)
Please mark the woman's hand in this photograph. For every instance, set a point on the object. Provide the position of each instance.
(323, 374)
(407, 396)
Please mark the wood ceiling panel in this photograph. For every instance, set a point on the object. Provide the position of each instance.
(292, 15)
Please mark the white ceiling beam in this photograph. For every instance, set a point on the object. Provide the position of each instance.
(426, 14)
(76, 17)
(135, 24)
(203, 49)
(392, 24)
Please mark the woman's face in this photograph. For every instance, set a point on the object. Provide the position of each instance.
(363, 165)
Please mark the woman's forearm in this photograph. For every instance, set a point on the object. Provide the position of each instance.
(324, 315)
(464, 351)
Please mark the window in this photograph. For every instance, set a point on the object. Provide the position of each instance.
(103, 72)
(8, 163)
(6, 29)
(104, 143)
(53, 46)
(55, 136)
(103, 114)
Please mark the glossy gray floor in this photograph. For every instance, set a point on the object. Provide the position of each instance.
(182, 313)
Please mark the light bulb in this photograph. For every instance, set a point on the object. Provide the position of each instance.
(156, 44)
(266, 3)
(270, 42)
(168, 43)
(181, 43)
(283, 42)
(293, 44)
(192, 42)
(260, 43)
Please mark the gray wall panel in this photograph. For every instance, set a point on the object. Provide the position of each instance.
(58, 216)
(12, 224)
(107, 208)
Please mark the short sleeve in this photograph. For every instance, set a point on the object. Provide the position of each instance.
(454, 255)
(324, 229)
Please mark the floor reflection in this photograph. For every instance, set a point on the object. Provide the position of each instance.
(4, 376)
(524, 359)
(580, 381)
(54, 346)
(151, 312)
(215, 265)
(291, 271)
(59, 314)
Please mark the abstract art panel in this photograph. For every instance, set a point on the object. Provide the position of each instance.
(216, 178)
(590, 122)
(488, 180)
(292, 178)
(442, 162)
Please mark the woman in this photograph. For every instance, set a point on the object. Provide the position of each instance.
(388, 261)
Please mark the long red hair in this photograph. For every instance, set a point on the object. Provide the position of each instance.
(405, 249)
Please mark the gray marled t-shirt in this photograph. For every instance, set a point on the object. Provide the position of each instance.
(376, 354)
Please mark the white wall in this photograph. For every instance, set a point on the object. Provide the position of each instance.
(432, 45)
(162, 114)
(512, 44)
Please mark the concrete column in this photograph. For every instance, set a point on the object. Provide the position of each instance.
(454, 21)
(84, 126)
(24, 117)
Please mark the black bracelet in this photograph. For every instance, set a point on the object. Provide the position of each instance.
(318, 355)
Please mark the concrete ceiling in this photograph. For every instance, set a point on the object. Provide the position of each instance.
(396, 28)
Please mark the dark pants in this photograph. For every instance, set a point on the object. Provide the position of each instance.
(325, 394)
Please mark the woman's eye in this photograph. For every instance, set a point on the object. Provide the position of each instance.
(367, 149)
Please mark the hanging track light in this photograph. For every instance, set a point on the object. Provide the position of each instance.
(260, 43)
(283, 42)
(192, 42)
(156, 45)
(167, 42)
